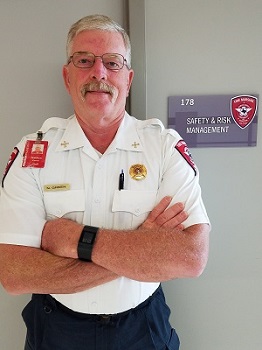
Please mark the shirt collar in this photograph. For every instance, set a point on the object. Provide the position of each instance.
(126, 138)
(73, 136)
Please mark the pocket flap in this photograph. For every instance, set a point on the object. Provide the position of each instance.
(135, 202)
(61, 203)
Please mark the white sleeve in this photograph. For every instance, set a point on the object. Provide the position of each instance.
(180, 179)
(22, 213)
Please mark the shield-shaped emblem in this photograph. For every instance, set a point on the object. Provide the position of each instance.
(243, 109)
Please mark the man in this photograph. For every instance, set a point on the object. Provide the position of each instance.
(112, 208)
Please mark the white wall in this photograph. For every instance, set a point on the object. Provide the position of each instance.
(32, 36)
(212, 47)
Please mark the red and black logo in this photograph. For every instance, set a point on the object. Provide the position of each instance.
(9, 163)
(243, 109)
(182, 148)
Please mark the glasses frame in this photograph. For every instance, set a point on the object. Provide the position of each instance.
(71, 59)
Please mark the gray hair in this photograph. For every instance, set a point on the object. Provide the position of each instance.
(98, 22)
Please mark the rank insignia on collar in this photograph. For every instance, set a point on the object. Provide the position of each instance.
(135, 145)
(64, 144)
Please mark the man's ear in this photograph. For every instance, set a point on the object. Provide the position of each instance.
(66, 78)
(130, 79)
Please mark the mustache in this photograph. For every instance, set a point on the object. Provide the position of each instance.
(97, 86)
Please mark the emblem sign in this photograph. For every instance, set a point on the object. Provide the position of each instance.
(243, 109)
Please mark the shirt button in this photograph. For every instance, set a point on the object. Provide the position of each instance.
(137, 211)
(93, 307)
(97, 200)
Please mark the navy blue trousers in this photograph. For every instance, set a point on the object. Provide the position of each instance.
(52, 327)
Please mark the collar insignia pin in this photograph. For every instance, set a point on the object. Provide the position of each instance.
(135, 144)
(64, 144)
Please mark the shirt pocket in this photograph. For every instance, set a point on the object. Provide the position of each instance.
(68, 204)
(132, 207)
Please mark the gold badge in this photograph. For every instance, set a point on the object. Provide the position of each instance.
(138, 171)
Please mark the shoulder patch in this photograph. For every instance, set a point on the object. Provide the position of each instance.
(11, 160)
(182, 148)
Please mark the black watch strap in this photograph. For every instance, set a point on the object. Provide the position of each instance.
(86, 242)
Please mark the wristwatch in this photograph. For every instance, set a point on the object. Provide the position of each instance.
(86, 242)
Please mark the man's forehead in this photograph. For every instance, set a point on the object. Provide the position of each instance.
(99, 38)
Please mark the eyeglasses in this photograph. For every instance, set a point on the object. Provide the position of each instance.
(112, 61)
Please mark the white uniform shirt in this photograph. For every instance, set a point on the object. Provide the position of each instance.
(91, 194)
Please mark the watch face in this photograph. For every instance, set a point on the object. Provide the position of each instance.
(88, 237)
(86, 243)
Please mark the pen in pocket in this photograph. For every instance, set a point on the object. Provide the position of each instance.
(121, 180)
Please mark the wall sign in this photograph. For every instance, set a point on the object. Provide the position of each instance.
(215, 120)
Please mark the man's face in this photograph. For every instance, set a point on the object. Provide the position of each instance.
(98, 106)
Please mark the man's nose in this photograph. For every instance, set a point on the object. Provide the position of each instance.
(99, 71)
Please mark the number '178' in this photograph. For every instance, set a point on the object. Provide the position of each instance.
(187, 102)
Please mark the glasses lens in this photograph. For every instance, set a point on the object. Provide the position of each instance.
(83, 59)
(113, 61)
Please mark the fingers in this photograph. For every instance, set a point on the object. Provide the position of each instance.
(161, 215)
(159, 209)
(172, 217)
(175, 221)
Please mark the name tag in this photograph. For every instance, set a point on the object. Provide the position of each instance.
(56, 187)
